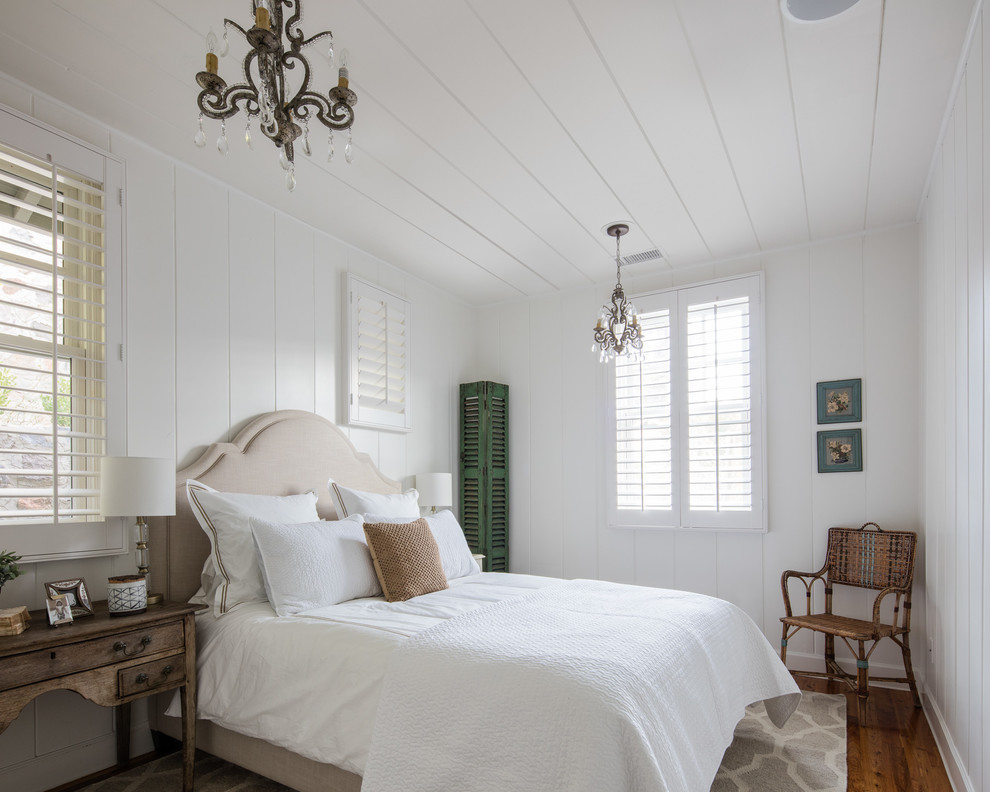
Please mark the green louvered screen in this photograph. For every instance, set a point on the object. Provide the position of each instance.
(484, 471)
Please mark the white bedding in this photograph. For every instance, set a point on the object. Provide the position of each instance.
(312, 683)
(581, 687)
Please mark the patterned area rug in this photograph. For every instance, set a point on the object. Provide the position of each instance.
(808, 754)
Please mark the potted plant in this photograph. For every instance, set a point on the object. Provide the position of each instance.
(9, 568)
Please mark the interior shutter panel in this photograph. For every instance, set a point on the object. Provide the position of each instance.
(378, 324)
(720, 437)
(484, 471)
(470, 466)
(722, 417)
(497, 404)
(644, 470)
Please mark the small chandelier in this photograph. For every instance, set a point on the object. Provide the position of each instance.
(265, 94)
(618, 331)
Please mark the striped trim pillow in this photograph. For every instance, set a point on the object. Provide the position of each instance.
(225, 517)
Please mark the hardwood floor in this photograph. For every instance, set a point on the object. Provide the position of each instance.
(894, 751)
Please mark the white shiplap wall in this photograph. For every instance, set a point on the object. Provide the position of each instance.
(833, 311)
(233, 309)
(955, 309)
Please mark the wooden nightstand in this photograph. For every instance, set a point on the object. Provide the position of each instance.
(110, 661)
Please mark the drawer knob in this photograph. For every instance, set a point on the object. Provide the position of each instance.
(121, 646)
(141, 679)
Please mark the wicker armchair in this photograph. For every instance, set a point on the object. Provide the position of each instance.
(879, 560)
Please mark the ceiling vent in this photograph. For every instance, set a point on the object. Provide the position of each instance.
(641, 258)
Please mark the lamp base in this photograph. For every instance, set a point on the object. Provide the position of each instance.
(156, 599)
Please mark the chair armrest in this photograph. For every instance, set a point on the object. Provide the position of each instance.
(808, 578)
(900, 592)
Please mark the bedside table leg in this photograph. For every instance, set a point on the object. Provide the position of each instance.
(188, 736)
(123, 723)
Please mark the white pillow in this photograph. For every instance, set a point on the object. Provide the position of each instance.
(226, 519)
(316, 564)
(455, 555)
(349, 501)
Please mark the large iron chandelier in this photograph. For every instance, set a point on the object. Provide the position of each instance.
(618, 331)
(265, 94)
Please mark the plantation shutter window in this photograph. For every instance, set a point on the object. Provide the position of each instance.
(686, 427)
(379, 341)
(59, 319)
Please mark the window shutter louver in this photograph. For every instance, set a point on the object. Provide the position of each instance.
(53, 341)
(379, 359)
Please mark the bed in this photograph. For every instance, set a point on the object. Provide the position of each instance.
(450, 689)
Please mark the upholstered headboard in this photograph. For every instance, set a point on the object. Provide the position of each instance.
(279, 453)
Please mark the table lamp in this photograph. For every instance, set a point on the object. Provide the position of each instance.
(138, 487)
(435, 489)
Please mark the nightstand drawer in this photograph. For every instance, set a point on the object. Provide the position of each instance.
(148, 676)
(74, 657)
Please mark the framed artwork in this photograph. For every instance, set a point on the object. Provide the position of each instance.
(59, 611)
(840, 450)
(840, 401)
(75, 593)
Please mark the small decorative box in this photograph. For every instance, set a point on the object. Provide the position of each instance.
(126, 595)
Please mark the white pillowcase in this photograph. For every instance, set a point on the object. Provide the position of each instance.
(316, 564)
(349, 501)
(226, 519)
(455, 555)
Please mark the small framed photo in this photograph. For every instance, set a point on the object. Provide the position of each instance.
(840, 450)
(840, 401)
(75, 593)
(59, 611)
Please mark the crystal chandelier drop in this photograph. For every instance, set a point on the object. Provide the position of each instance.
(618, 331)
(283, 116)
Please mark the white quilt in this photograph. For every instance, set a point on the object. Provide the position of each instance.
(311, 682)
(582, 686)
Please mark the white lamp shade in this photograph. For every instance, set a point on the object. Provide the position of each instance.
(137, 487)
(435, 489)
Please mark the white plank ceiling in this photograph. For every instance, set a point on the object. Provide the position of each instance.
(495, 140)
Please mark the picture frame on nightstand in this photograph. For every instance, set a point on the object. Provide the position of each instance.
(76, 594)
(59, 611)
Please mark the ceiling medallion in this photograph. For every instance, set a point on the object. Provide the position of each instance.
(283, 116)
(618, 331)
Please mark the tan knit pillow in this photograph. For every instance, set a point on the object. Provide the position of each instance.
(406, 558)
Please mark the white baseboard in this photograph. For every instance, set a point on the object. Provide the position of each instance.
(60, 767)
(954, 767)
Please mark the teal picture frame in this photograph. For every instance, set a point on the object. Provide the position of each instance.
(840, 401)
(840, 451)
